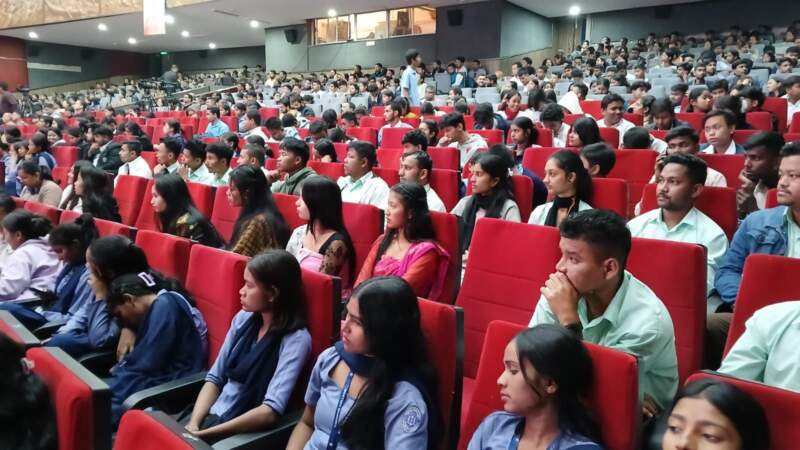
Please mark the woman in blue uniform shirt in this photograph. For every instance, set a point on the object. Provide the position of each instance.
(373, 389)
(547, 375)
(266, 348)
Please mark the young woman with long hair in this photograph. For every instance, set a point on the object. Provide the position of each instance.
(177, 214)
(260, 226)
(571, 185)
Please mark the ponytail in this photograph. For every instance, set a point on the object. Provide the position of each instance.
(31, 226)
(82, 231)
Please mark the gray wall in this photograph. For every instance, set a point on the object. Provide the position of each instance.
(477, 37)
(91, 69)
(523, 31)
(389, 52)
(220, 58)
(282, 55)
(693, 18)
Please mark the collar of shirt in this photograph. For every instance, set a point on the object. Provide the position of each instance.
(731, 150)
(173, 168)
(791, 224)
(200, 172)
(689, 220)
(224, 175)
(611, 314)
(358, 184)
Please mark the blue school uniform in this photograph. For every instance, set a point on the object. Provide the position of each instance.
(90, 329)
(502, 431)
(405, 419)
(295, 347)
(169, 345)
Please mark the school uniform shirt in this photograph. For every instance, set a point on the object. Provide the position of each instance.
(405, 419)
(434, 202)
(408, 80)
(635, 322)
(560, 139)
(216, 129)
(89, 329)
(539, 215)
(257, 131)
(623, 126)
(733, 149)
(48, 193)
(221, 181)
(399, 124)
(767, 350)
(695, 228)
(137, 168)
(791, 108)
(760, 194)
(201, 175)
(499, 428)
(31, 265)
(294, 351)
(471, 146)
(173, 168)
(509, 212)
(369, 190)
(80, 296)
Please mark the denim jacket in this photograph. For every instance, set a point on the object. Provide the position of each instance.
(764, 231)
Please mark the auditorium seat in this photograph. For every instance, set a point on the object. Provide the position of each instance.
(390, 176)
(685, 300)
(364, 223)
(60, 175)
(569, 119)
(492, 137)
(636, 168)
(364, 134)
(11, 327)
(613, 399)
(224, 215)
(634, 118)
(376, 111)
(393, 137)
(782, 408)
(51, 213)
(780, 108)
(330, 170)
(166, 253)
(522, 186)
(389, 158)
(154, 430)
(287, 205)
(146, 218)
(446, 183)
(82, 401)
(445, 157)
(65, 156)
(131, 193)
(610, 136)
(202, 196)
(375, 122)
(341, 150)
(717, 203)
(728, 165)
(414, 122)
(766, 279)
(772, 198)
(611, 194)
(760, 120)
(445, 226)
(150, 159)
(535, 158)
(593, 108)
(19, 202)
(104, 227)
(694, 119)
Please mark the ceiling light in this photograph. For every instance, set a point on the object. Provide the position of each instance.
(331, 12)
(170, 19)
(574, 10)
(254, 24)
(33, 35)
(132, 40)
(212, 45)
(185, 33)
(102, 27)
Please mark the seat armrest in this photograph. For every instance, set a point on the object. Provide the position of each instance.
(29, 302)
(48, 329)
(276, 437)
(100, 362)
(170, 397)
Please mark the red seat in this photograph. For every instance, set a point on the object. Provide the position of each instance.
(210, 140)
(795, 127)
(376, 111)
(287, 205)
(522, 186)
(446, 227)
(217, 301)
(610, 136)
(760, 120)
(390, 176)
(612, 194)
(330, 170)
(20, 203)
(443, 327)
(11, 327)
(791, 137)
(613, 399)
(445, 157)
(146, 218)
(145, 430)
(266, 113)
(81, 401)
(203, 197)
(717, 203)
(780, 108)
(166, 253)
(132, 193)
(223, 215)
(414, 122)
(492, 137)
(592, 107)
(694, 119)
(364, 223)
(729, 165)
(636, 168)
(534, 159)
(659, 134)
(389, 158)
(61, 175)
(65, 156)
(371, 122)
(772, 198)
(393, 137)
(569, 119)
(508, 263)
(150, 158)
(766, 279)
(50, 213)
(108, 228)
(780, 407)
(364, 133)
(231, 121)
(634, 118)
(323, 305)
(446, 185)
(685, 301)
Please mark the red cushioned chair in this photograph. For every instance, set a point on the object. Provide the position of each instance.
(104, 227)
(50, 213)
(143, 430)
(371, 122)
(364, 133)
(569, 119)
(592, 107)
(60, 175)
(610, 136)
(393, 137)
(330, 170)
(634, 118)
(287, 205)
(19, 202)
(376, 111)
(231, 121)
(522, 186)
(685, 301)
(390, 176)
(341, 150)
(266, 113)
(132, 193)
(11, 327)
(65, 156)
(729, 165)
(414, 122)
(795, 126)
(534, 159)
(780, 108)
(150, 159)
(446, 227)
(610, 193)
(81, 400)
(659, 134)
(146, 218)
(766, 279)
(772, 198)
(224, 215)
(614, 397)
(203, 197)
(760, 120)
(443, 327)
(636, 168)
(492, 137)
(445, 158)
(791, 137)
(166, 253)
(446, 185)
(389, 158)
(364, 223)
(717, 203)
(694, 119)
(780, 407)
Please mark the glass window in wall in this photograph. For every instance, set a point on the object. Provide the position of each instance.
(400, 22)
(371, 25)
(424, 20)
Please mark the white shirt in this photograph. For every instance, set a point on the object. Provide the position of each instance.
(560, 139)
(137, 168)
(623, 126)
(709, 149)
(760, 194)
(468, 148)
(368, 190)
(791, 108)
(539, 215)
(399, 124)
(434, 202)
(257, 131)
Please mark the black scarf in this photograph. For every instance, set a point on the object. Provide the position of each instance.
(492, 203)
(571, 203)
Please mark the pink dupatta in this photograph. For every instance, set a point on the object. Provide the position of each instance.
(388, 265)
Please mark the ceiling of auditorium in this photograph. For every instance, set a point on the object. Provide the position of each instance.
(226, 23)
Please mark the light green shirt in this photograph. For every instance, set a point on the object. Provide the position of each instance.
(793, 246)
(201, 175)
(767, 351)
(223, 181)
(635, 322)
(695, 228)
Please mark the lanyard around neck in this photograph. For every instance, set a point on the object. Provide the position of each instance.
(333, 440)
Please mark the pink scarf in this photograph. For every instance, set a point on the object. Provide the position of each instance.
(388, 265)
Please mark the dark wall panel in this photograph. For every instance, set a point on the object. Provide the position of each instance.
(220, 58)
(477, 37)
(389, 52)
(94, 64)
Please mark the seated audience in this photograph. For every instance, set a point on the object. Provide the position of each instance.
(39, 151)
(7, 205)
(515, 168)
(216, 127)
(177, 213)
(613, 107)
(416, 166)
(168, 154)
(639, 138)
(94, 190)
(193, 168)
(663, 116)
(571, 186)
(69, 199)
(487, 119)
(260, 225)
(252, 125)
(408, 248)
(104, 152)
(598, 159)
(292, 166)
(218, 161)
(392, 113)
(792, 85)
(360, 184)
(132, 162)
(509, 106)
(38, 185)
(172, 130)
(431, 130)
(523, 135)
(325, 151)
(719, 126)
(382, 361)
(583, 132)
(685, 140)
(456, 135)
(700, 100)
(553, 119)
(593, 295)
(253, 155)
(760, 173)
(32, 265)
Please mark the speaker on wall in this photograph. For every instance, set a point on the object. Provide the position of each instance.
(291, 35)
(663, 12)
(455, 17)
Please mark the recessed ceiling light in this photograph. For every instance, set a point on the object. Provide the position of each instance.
(253, 24)
(185, 33)
(212, 45)
(102, 27)
(132, 40)
(574, 10)
(331, 12)
(33, 35)
(170, 19)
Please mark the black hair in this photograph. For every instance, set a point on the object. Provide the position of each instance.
(730, 117)
(417, 138)
(753, 93)
(174, 126)
(134, 146)
(32, 167)
(609, 99)
(424, 160)
(791, 149)
(587, 130)
(526, 125)
(280, 269)
(296, 147)
(679, 87)
(82, 232)
(175, 193)
(452, 120)
(257, 200)
(324, 147)
(254, 115)
(552, 113)
(96, 198)
(411, 55)
(6, 203)
(365, 150)
(213, 110)
(323, 198)
(40, 140)
(600, 154)
(638, 84)
(743, 411)
(420, 226)
(30, 225)
(391, 321)
(770, 140)
(330, 118)
(636, 137)
(570, 162)
(196, 149)
(605, 231)
(172, 146)
(484, 114)
(273, 123)
(682, 131)
(221, 151)
(662, 105)
(556, 354)
(433, 126)
(695, 167)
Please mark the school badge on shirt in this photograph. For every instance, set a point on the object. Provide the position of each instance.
(412, 419)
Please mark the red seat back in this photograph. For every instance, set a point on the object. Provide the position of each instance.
(376, 111)
(614, 397)
(393, 137)
(51, 213)
(150, 159)
(364, 133)
(766, 279)
(780, 108)
(610, 136)
(81, 400)
(145, 430)
(772, 198)
(694, 119)
(780, 407)
(534, 159)
(372, 122)
(166, 253)
(65, 156)
(60, 175)
(717, 203)
(323, 305)
(203, 197)
(389, 158)
(413, 121)
(232, 122)
(446, 227)
(634, 118)
(287, 205)
(390, 176)
(330, 170)
(443, 327)
(592, 107)
(364, 223)
(760, 120)
(610, 193)
(728, 165)
(636, 168)
(104, 227)
(132, 193)
(445, 157)
(685, 301)
(446, 185)
(217, 301)
(224, 215)
(341, 150)
(146, 219)
(569, 119)
(522, 186)
(11, 327)
(508, 264)
(492, 137)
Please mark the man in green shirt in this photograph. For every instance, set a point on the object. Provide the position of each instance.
(218, 161)
(592, 294)
(292, 160)
(194, 169)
